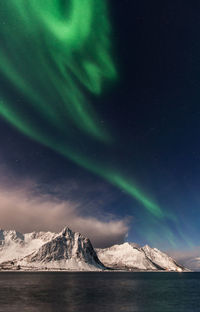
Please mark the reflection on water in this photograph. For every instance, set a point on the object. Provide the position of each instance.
(102, 292)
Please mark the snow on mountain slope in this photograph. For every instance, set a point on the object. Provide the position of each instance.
(125, 256)
(161, 259)
(132, 257)
(14, 245)
(71, 251)
(68, 250)
(45, 250)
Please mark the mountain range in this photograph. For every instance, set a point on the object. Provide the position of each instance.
(70, 250)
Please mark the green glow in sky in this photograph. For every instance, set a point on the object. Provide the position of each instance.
(51, 50)
(53, 54)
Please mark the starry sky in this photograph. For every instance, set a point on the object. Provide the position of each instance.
(118, 158)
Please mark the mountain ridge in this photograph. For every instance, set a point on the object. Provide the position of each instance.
(68, 250)
(131, 256)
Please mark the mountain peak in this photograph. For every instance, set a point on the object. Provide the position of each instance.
(134, 245)
(66, 250)
(12, 235)
(67, 231)
(133, 257)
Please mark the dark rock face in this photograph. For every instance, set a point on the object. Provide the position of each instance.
(68, 245)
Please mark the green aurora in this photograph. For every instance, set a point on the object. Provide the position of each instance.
(53, 55)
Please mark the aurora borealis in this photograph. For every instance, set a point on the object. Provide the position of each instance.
(58, 38)
(51, 56)
(59, 73)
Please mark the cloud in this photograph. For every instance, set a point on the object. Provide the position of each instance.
(25, 210)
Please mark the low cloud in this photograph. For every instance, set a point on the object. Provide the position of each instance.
(25, 211)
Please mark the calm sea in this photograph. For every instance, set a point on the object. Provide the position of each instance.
(105, 292)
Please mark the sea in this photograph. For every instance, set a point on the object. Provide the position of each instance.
(99, 292)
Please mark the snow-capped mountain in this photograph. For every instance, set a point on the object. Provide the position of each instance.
(39, 251)
(69, 250)
(161, 259)
(15, 245)
(130, 256)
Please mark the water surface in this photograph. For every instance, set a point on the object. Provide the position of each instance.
(102, 292)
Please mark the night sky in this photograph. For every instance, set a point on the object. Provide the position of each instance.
(146, 133)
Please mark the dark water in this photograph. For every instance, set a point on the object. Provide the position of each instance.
(105, 292)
